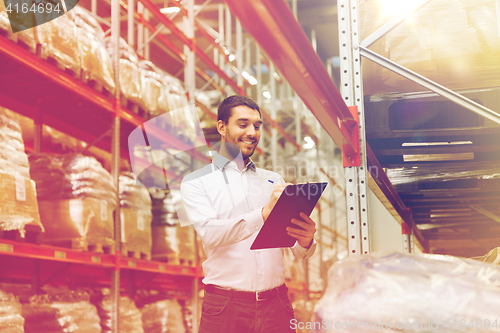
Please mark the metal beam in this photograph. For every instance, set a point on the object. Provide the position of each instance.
(393, 23)
(431, 85)
(485, 212)
(273, 26)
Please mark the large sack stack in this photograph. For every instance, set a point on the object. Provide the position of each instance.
(59, 40)
(18, 204)
(95, 60)
(11, 319)
(27, 36)
(77, 197)
(130, 76)
(172, 242)
(411, 293)
(129, 317)
(152, 89)
(61, 312)
(135, 212)
(185, 123)
(163, 316)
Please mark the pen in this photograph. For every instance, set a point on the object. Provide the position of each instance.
(269, 180)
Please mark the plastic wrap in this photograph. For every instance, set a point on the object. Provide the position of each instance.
(129, 317)
(130, 76)
(18, 203)
(183, 122)
(454, 43)
(174, 244)
(26, 36)
(13, 159)
(163, 206)
(151, 86)
(163, 317)
(62, 311)
(11, 319)
(480, 170)
(412, 292)
(59, 39)
(76, 200)
(492, 257)
(68, 176)
(95, 60)
(136, 216)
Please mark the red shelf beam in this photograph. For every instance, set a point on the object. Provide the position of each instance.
(60, 254)
(273, 26)
(190, 43)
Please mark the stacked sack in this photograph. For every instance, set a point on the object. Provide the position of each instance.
(154, 93)
(77, 197)
(129, 317)
(58, 37)
(171, 242)
(95, 60)
(60, 311)
(135, 213)
(11, 319)
(26, 36)
(183, 117)
(163, 316)
(130, 76)
(18, 204)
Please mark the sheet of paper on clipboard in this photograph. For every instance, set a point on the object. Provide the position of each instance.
(294, 199)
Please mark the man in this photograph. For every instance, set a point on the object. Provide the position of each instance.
(227, 202)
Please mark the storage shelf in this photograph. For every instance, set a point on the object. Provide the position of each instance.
(21, 261)
(31, 85)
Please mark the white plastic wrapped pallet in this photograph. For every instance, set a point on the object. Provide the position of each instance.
(384, 291)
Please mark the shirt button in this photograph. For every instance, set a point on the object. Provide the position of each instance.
(258, 251)
(260, 273)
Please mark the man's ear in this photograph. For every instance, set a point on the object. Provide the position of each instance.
(221, 128)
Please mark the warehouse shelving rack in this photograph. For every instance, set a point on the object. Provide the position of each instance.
(44, 93)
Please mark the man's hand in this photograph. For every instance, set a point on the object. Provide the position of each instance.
(304, 237)
(277, 190)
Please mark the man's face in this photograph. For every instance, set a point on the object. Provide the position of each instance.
(242, 131)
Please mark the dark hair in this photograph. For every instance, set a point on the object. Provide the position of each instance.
(225, 108)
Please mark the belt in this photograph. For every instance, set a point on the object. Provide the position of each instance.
(249, 295)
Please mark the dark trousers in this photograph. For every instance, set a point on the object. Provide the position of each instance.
(230, 314)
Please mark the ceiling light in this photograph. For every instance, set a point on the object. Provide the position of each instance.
(252, 80)
(170, 10)
(420, 144)
(438, 157)
(231, 57)
(266, 94)
(309, 142)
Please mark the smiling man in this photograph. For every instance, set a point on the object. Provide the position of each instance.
(228, 202)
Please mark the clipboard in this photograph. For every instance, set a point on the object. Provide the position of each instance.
(294, 199)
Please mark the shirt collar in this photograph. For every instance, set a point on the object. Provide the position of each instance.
(220, 162)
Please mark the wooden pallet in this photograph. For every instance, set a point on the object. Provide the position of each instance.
(33, 234)
(173, 259)
(131, 252)
(84, 246)
(14, 37)
(73, 70)
(134, 107)
(97, 84)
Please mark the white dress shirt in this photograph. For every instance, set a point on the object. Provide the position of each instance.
(225, 205)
